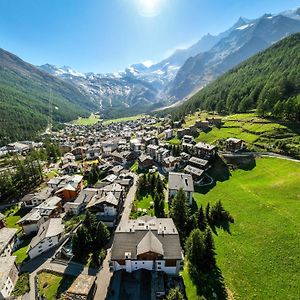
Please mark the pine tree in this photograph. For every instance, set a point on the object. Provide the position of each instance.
(209, 250)
(195, 250)
(179, 211)
(207, 212)
(102, 235)
(201, 219)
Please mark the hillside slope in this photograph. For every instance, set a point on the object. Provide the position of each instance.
(269, 81)
(242, 43)
(24, 98)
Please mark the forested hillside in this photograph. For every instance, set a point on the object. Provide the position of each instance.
(24, 99)
(269, 82)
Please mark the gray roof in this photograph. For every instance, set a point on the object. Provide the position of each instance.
(202, 145)
(150, 243)
(198, 161)
(146, 234)
(6, 264)
(181, 180)
(52, 227)
(6, 235)
(85, 195)
(193, 171)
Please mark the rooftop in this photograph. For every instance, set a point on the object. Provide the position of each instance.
(6, 264)
(181, 180)
(6, 235)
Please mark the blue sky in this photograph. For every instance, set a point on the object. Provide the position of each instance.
(109, 35)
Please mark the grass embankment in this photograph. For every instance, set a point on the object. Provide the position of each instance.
(260, 134)
(53, 286)
(91, 120)
(22, 286)
(13, 214)
(133, 118)
(260, 258)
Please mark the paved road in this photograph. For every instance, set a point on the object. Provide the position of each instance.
(104, 275)
(263, 154)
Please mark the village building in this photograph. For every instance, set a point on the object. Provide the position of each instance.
(180, 180)
(147, 243)
(205, 151)
(161, 154)
(18, 147)
(170, 163)
(32, 221)
(49, 235)
(169, 134)
(196, 173)
(79, 152)
(8, 239)
(83, 288)
(8, 276)
(188, 139)
(151, 150)
(31, 200)
(70, 168)
(145, 162)
(83, 198)
(202, 124)
(199, 163)
(234, 145)
(214, 121)
(69, 191)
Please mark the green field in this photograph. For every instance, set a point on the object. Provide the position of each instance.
(133, 118)
(260, 134)
(52, 286)
(91, 120)
(260, 259)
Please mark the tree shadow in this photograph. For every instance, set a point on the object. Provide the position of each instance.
(219, 170)
(64, 285)
(210, 284)
(224, 225)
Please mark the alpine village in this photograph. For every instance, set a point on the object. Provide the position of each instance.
(179, 180)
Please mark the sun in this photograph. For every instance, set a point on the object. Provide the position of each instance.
(149, 8)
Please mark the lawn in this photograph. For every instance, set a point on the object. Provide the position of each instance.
(135, 166)
(174, 141)
(144, 203)
(91, 120)
(133, 118)
(52, 286)
(13, 215)
(21, 252)
(260, 258)
(260, 134)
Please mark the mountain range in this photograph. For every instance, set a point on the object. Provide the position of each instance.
(268, 82)
(26, 90)
(142, 88)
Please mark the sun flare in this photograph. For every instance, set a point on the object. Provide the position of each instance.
(149, 8)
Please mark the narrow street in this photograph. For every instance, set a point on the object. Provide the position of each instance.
(104, 275)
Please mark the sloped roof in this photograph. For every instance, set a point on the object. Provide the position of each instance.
(150, 243)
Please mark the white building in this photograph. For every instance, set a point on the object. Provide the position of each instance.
(169, 134)
(8, 237)
(178, 181)
(48, 236)
(147, 243)
(32, 221)
(8, 276)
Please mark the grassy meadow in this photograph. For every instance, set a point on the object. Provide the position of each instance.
(260, 258)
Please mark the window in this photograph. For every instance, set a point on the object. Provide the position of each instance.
(159, 262)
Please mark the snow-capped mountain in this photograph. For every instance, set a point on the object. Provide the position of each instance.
(142, 85)
(246, 38)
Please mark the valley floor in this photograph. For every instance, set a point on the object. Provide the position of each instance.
(259, 258)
